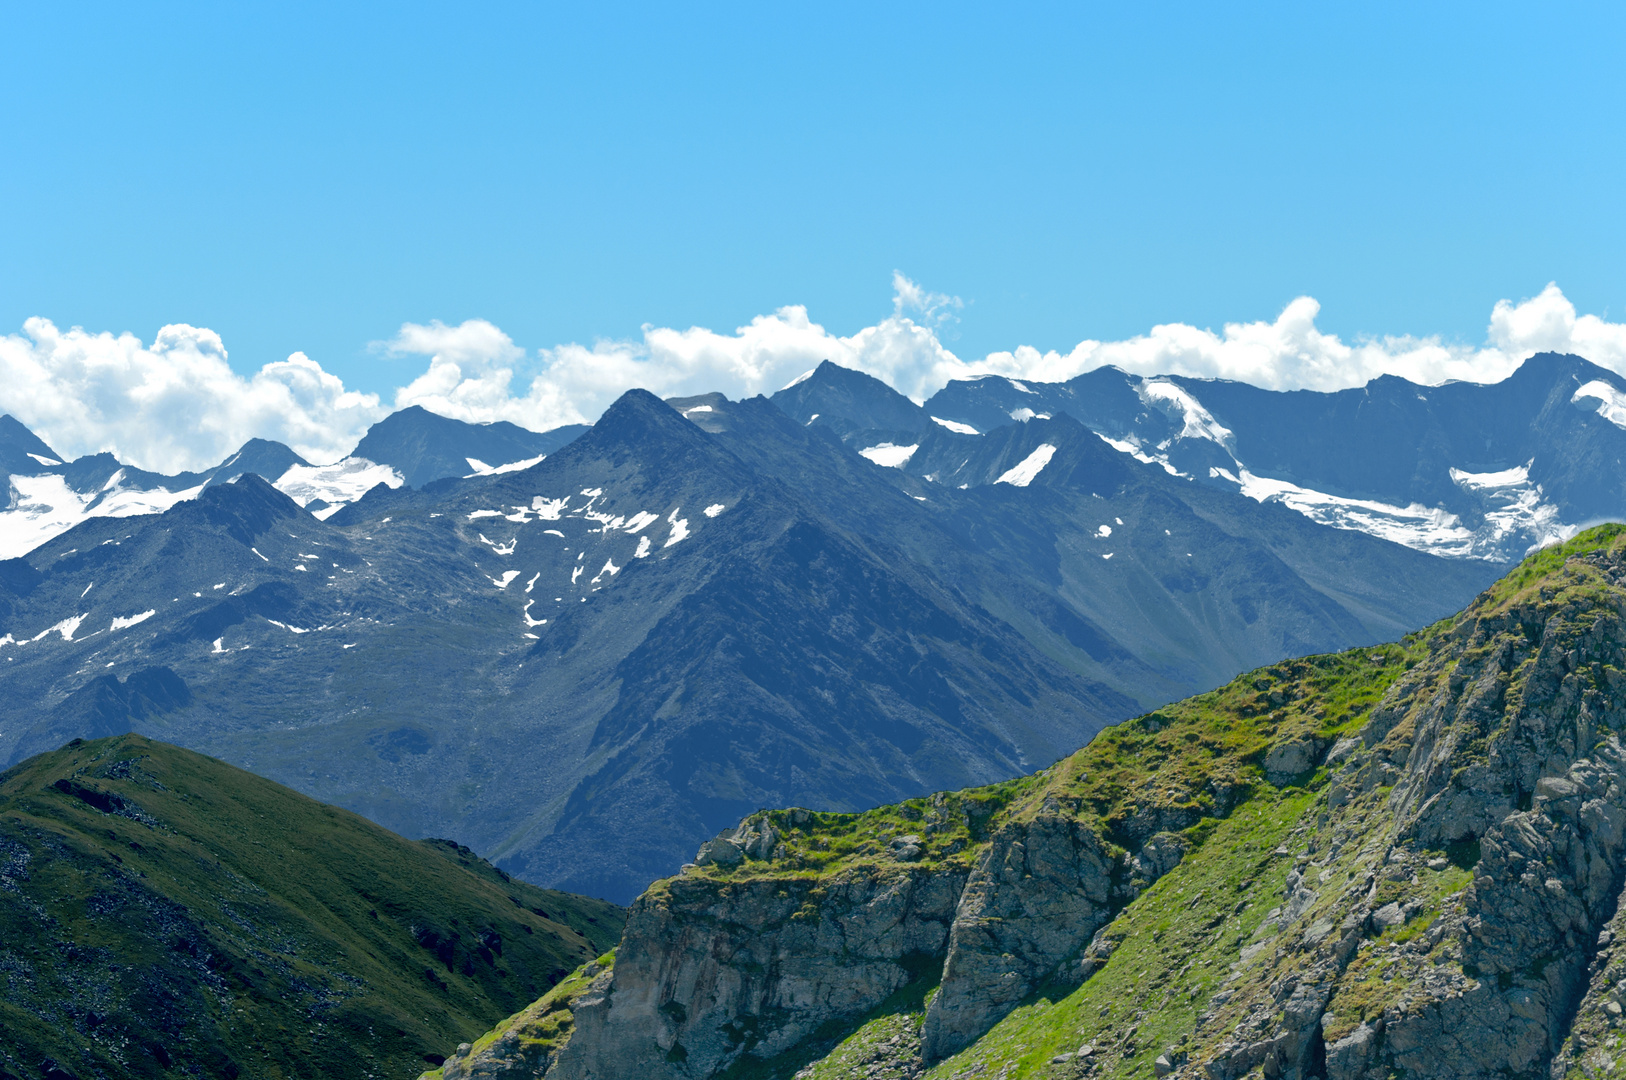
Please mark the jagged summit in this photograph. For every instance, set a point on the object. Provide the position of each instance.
(21, 449)
(849, 401)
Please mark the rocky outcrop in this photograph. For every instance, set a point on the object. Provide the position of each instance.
(1038, 895)
(706, 973)
(1506, 748)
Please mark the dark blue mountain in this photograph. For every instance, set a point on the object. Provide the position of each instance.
(423, 446)
(585, 667)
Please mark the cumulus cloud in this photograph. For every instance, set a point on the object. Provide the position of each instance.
(1292, 354)
(173, 405)
(176, 404)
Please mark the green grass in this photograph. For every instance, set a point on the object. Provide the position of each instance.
(1175, 945)
(170, 912)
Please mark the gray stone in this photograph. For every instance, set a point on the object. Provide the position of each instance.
(721, 851)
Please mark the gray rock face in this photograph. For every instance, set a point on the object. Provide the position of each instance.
(1288, 761)
(1037, 897)
(1521, 707)
(704, 977)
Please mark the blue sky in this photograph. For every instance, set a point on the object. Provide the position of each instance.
(312, 177)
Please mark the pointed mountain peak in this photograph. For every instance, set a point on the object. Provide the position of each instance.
(245, 508)
(638, 416)
(21, 449)
(850, 401)
(262, 457)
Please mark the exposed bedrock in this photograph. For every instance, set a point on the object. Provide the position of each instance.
(705, 974)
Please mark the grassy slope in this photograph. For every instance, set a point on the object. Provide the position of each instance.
(169, 909)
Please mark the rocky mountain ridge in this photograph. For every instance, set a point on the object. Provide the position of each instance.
(47, 495)
(1462, 470)
(1403, 860)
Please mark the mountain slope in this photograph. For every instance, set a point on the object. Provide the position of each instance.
(681, 621)
(164, 912)
(1405, 860)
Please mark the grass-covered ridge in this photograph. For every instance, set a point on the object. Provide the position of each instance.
(163, 911)
(1173, 769)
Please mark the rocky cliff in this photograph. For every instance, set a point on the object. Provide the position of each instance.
(1402, 861)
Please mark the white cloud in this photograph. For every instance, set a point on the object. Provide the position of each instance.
(1291, 354)
(176, 404)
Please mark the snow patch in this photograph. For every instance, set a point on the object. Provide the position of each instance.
(1132, 447)
(67, 628)
(956, 427)
(890, 456)
(609, 568)
(1019, 386)
(680, 528)
(340, 483)
(549, 509)
(1611, 402)
(714, 509)
(220, 646)
(1029, 467)
(482, 469)
(1103, 532)
(500, 549)
(643, 548)
(124, 622)
(1199, 422)
(506, 580)
(641, 520)
(43, 460)
(478, 514)
(798, 380)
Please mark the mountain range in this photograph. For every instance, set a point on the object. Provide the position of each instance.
(581, 667)
(47, 495)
